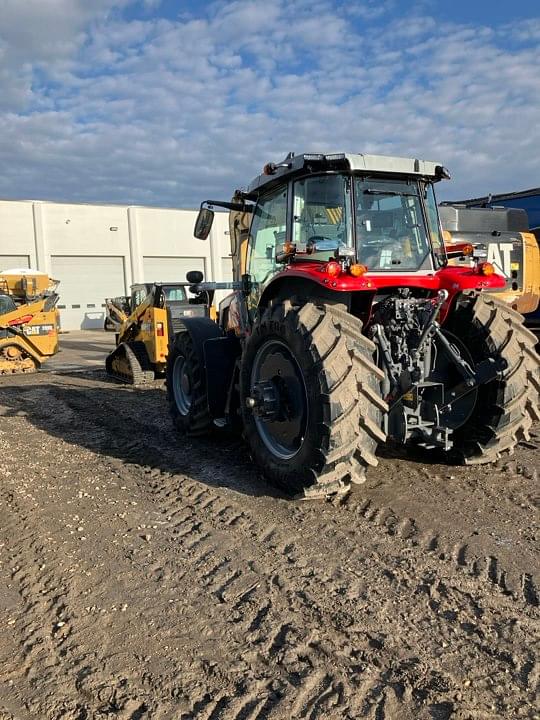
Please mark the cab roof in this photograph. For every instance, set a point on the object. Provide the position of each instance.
(351, 162)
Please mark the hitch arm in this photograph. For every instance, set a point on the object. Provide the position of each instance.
(463, 366)
(485, 372)
(431, 326)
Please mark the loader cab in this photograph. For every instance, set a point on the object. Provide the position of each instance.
(138, 294)
(7, 304)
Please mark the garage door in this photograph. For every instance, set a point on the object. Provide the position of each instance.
(170, 269)
(85, 282)
(8, 262)
(226, 269)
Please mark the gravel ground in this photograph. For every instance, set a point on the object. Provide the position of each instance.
(142, 576)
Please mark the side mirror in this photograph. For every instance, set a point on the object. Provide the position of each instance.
(203, 224)
(194, 277)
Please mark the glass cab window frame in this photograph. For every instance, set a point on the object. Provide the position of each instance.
(391, 225)
(265, 237)
(321, 216)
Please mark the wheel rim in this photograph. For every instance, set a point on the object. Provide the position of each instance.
(281, 419)
(182, 389)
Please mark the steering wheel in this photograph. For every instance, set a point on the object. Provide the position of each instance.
(378, 241)
(317, 238)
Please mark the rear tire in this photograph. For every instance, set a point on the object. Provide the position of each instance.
(506, 408)
(338, 427)
(186, 388)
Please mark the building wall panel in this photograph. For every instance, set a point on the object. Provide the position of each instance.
(85, 229)
(9, 262)
(17, 229)
(85, 282)
(98, 251)
(171, 269)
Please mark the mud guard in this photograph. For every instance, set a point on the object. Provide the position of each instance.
(217, 354)
(220, 356)
(200, 329)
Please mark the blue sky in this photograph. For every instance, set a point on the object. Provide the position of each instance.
(167, 103)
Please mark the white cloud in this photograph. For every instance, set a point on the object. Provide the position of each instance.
(161, 111)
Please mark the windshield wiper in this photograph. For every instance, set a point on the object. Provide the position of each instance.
(371, 191)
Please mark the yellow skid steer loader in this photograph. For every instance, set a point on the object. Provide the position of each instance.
(29, 320)
(145, 321)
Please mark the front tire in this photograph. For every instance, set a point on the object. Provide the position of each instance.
(505, 408)
(186, 388)
(310, 398)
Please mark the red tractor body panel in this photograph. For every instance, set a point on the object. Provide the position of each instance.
(453, 279)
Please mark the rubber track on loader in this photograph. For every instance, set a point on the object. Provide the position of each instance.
(18, 365)
(129, 363)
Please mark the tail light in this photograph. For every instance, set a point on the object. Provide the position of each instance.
(160, 329)
(486, 268)
(333, 268)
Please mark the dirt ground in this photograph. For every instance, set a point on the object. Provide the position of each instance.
(142, 576)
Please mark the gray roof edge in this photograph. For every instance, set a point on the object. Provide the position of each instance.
(392, 164)
(357, 162)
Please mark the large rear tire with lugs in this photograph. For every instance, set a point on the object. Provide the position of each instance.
(507, 407)
(186, 388)
(310, 398)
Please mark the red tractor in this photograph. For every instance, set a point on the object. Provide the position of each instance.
(346, 326)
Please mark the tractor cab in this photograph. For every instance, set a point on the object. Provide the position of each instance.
(368, 221)
(385, 224)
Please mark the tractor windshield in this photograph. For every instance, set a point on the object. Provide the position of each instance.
(390, 228)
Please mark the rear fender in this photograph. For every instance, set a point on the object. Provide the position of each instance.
(200, 329)
(358, 302)
(217, 354)
(285, 286)
(220, 356)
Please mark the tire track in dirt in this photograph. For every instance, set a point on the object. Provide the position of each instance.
(489, 568)
(196, 509)
(45, 624)
(231, 582)
(306, 608)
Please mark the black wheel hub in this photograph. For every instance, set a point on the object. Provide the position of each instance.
(265, 395)
(278, 399)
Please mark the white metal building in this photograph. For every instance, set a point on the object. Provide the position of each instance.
(98, 251)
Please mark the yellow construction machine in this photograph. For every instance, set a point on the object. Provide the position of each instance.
(145, 320)
(502, 235)
(29, 320)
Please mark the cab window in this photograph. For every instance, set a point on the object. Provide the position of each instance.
(174, 294)
(390, 229)
(321, 215)
(267, 235)
(6, 304)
